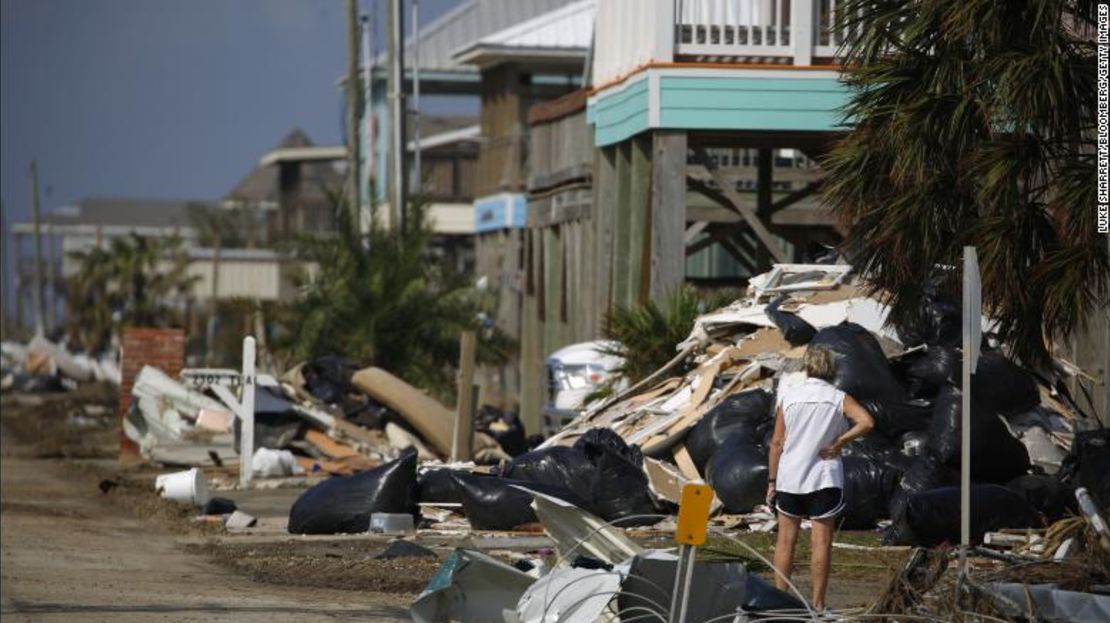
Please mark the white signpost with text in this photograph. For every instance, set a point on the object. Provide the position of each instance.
(972, 336)
(243, 406)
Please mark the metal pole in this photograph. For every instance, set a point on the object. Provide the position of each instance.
(40, 307)
(397, 114)
(368, 94)
(418, 180)
(246, 413)
(354, 114)
(51, 292)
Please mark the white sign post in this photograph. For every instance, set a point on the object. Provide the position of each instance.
(972, 336)
(246, 413)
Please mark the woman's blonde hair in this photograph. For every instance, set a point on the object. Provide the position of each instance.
(820, 362)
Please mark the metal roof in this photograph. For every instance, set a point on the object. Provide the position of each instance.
(462, 26)
(127, 212)
(564, 33)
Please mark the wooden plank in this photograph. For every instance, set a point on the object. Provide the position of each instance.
(330, 447)
(693, 231)
(622, 215)
(745, 211)
(461, 444)
(639, 236)
(532, 380)
(605, 192)
(668, 212)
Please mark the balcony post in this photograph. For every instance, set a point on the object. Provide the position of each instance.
(664, 31)
(802, 23)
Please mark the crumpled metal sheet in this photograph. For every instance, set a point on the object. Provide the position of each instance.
(1051, 604)
(471, 587)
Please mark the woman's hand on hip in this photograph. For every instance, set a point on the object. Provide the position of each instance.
(829, 452)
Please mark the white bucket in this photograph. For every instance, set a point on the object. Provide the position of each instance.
(188, 487)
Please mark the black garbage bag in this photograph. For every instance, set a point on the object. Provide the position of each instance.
(621, 487)
(862, 369)
(1088, 465)
(914, 443)
(933, 517)
(996, 455)
(924, 474)
(1052, 498)
(794, 329)
(1002, 386)
(937, 322)
(343, 504)
(894, 418)
(737, 471)
(749, 411)
(496, 504)
(505, 428)
(872, 446)
(929, 371)
(328, 378)
(558, 466)
(437, 486)
(276, 424)
(868, 488)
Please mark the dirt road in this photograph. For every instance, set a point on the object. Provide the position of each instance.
(69, 553)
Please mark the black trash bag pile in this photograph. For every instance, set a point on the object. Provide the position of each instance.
(1088, 465)
(276, 424)
(928, 371)
(343, 504)
(924, 474)
(997, 456)
(750, 412)
(933, 517)
(894, 418)
(737, 472)
(1050, 497)
(868, 488)
(505, 428)
(1001, 386)
(796, 330)
(328, 378)
(492, 503)
(937, 322)
(862, 369)
(437, 486)
(621, 490)
(603, 472)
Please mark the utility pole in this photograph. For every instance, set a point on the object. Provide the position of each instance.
(418, 180)
(5, 284)
(354, 112)
(368, 97)
(40, 307)
(397, 146)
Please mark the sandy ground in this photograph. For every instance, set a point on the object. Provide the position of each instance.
(71, 553)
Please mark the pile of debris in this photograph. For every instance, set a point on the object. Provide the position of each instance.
(43, 366)
(714, 421)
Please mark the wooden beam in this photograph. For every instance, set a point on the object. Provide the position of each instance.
(744, 210)
(796, 196)
(605, 198)
(693, 231)
(639, 220)
(621, 222)
(668, 212)
(462, 445)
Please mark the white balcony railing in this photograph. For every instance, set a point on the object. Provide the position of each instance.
(632, 33)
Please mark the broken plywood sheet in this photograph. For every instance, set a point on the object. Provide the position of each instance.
(433, 420)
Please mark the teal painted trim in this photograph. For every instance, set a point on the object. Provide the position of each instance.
(620, 115)
(750, 103)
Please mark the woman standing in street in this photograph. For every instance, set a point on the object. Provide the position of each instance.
(813, 422)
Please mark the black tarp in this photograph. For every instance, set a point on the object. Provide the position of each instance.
(933, 517)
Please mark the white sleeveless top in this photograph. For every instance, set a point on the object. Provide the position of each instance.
(813, 413)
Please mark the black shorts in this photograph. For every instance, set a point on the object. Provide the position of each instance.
(820, 504)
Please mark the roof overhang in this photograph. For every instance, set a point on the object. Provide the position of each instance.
(485, 55)
(316, 153)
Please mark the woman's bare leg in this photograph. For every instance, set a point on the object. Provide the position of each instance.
(784, 549)
(821, 557)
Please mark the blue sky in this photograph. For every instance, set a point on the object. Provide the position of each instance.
(163, 98)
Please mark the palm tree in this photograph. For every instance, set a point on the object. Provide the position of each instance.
(973, 124)
(136, 281)
(380, 298)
